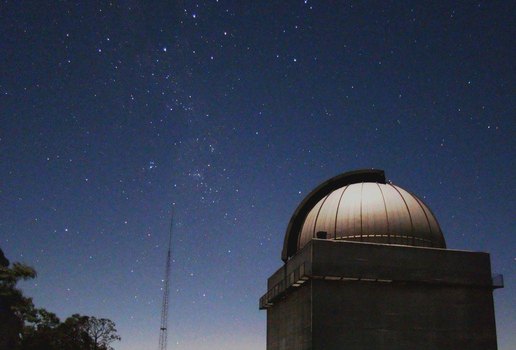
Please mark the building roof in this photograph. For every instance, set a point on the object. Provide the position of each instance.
(361, 206)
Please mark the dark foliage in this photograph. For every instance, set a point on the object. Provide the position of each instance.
(25, 327)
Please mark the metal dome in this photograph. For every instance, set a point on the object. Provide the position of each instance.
(361, 206)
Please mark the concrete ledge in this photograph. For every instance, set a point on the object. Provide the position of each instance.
(374, 262)
(400, 263)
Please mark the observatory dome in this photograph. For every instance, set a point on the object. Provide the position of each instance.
(360, 206)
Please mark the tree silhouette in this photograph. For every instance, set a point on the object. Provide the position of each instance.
(24, 327)
(102, 331)
(13, 305)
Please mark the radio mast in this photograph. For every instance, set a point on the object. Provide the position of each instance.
(163, 329)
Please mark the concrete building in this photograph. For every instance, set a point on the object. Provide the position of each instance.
(366, 267)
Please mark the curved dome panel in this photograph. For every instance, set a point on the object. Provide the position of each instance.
(363, 209)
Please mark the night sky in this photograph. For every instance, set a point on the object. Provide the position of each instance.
(230, 112)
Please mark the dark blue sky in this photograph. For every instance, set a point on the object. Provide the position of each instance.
(233, 111)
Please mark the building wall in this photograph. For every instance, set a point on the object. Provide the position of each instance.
(372, 315)
(390, 297)
(289, 321)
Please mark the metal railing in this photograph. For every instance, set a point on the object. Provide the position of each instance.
(294, 279)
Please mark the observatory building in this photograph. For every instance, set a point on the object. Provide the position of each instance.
(365, 266)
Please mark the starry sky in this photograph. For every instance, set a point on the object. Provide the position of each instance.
(114, 114)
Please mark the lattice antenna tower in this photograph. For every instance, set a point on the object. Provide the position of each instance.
(163, 329)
